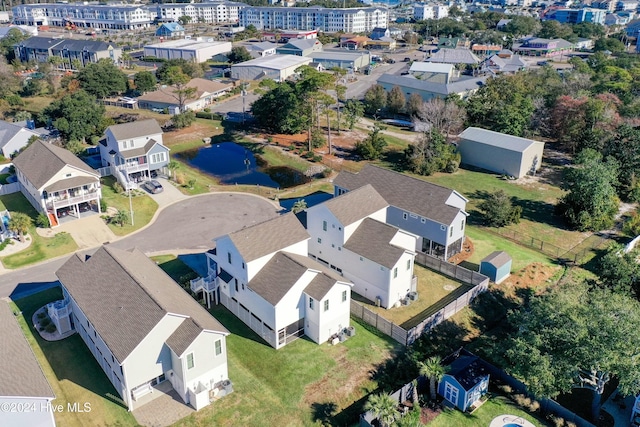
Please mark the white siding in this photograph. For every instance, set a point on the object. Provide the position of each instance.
(321, 324)
(208, 368)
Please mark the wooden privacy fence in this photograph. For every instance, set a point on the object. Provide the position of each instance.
(437, 313)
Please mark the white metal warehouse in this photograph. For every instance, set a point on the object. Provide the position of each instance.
(499, 152)
(192, 50)
(275, 67)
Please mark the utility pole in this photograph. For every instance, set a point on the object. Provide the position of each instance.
(244, 94)
(130, 206)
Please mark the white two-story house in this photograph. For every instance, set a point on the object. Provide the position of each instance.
(436, 214)
(349, 234)
(57, 183)
(134, 151)
(142, 328)
(262, 274)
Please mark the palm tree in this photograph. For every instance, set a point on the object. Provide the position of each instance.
(432, 368)
(121, 217)
(172, 166)
(20, 223)
(299, 206)
(383, 407)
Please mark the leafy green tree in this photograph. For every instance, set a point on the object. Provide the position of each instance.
(498, 210)
(591, 202)
(239, 54)
(20, 224)
(77, 116)
(13, 37)
(414, 104)
(588, 30)
(620, 271)
(278, 110)
(102, 79)
(372, 146)
(191, 69)
(184, 20)
(431, 153)
(573, 337)
(353, 110)
(522, 25)
(383, 407)
(375, 99)
(396, 100)
(611, 44)
(74, 146)
(184, 119)
(145, 81)
(555, 30)
(434, 371)
(175, 77)
(624, 146)
(11, 84)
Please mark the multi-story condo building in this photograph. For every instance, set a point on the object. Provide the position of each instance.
(71, 54)
(422, 12)
(577, 16)
(213, 12)
(348, 20)
(98, 16)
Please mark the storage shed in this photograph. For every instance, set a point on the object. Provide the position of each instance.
(499, 152)
(496, 266)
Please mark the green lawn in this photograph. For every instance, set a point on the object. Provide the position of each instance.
(482, 417)
(173, 266)
(73, 373)
(293, 385)
(143, 207)
(41, 248)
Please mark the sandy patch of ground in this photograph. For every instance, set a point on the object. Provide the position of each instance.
(197, 130)
(467, 251)
(532, 276)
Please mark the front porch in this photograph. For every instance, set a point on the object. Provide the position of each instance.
(64, 205)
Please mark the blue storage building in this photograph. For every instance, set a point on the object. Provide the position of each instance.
(497, 266)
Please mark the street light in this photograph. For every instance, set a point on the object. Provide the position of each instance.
(130, 207)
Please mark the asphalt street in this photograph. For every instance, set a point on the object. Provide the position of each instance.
(187, 226)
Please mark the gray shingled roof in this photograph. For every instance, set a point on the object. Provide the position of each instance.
(411, 194)
(41, 161)
(124, 295)
(284, 269)
(183, 336)
(72, 182)
(301, 44)
(497, 139)
(59, 44)
(497, 258)
(8, 131)
(457, 86)
(268, 237)
(135, 129)
(20, 371)
(355, 205)
(372, 239)
(454, 56)
(137, 152)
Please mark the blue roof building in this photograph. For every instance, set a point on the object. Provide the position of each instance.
(170, 29)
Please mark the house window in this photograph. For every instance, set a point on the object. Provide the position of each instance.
(423, 220)
(450, 231)
(408, 264)
(326, 305)
(311, 303)
(443, 227)
(462, 225)
(344, 296)
(218, 345)
(451, 393)
(324, 225)
(319, 240)
(229, 257)
(395, 272)
(190, 363)
(361, 259)
(236, 281)
(243, 265)
(404, 215)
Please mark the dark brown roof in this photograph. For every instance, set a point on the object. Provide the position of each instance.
(135, 129)
(136, 152)
(124, 295)
(73, 182)
(41, 161)
(183, 336)
(372, 239)
(268, 237)
(355, 205)
(284, 269)
(497, 258)
(20, 371)
(404, 192)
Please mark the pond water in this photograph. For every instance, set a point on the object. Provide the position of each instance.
(311, 200)
(233, 164)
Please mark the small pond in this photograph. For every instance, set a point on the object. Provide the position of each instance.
(233, 164)
(311, 200)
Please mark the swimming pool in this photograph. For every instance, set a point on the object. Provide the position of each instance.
(510, 421)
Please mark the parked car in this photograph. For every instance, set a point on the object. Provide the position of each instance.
(153, 186)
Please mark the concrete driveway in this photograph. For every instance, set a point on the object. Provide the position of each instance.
(170, 194)
(87, 232)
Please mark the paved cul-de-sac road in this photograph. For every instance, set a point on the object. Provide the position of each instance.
(188, 225)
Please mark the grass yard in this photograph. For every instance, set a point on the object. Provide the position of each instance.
(432, 287)
(495, 406)
(36, 104)
(73, 373)
(41, 248)
(296, 385)
(144, 207)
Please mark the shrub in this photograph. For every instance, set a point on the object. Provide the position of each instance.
(42, 221)
(317, 158)
(41, 315)
(191, 183)
(209, 115)
(103, 205)
(118, 188)
(180, 179)
(51, 328)
(506, 389)
(45, 322)
(326, 173)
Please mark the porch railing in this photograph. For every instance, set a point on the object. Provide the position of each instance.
(59, 202)
(207, 284)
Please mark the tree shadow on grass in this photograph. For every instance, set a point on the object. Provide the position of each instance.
(324, 412)
(70, 358)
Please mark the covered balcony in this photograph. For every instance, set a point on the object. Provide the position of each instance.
(72, 198)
